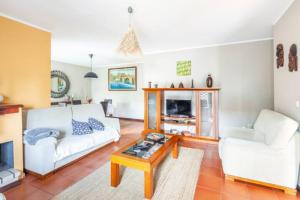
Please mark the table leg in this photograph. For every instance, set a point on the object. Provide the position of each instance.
(148, 184)
(115, 174)
(175, 151)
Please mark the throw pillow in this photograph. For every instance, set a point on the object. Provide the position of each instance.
(95, 124)
(81, 128)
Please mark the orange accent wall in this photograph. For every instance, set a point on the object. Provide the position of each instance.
(25, 64)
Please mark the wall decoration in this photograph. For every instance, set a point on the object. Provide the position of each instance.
(149, 84)
(122, 79)
(209, 81)
(60, 84)
(280, 55)
(192, 86)
(180, 85)
(293, 59)
(183, 68)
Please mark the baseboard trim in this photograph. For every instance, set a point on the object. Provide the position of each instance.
(130, 119)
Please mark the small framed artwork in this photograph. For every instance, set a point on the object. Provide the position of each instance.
(122, 79)
(183, 67)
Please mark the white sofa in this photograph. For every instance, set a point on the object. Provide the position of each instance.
(268, 153)
(50, 153)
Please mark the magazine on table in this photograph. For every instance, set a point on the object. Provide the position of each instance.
(145, 148)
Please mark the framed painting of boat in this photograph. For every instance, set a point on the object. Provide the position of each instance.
(122, 79)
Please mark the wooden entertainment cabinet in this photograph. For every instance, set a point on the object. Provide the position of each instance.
(204, 122)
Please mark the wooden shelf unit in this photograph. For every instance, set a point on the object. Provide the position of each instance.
(178, 123)
(205, 102)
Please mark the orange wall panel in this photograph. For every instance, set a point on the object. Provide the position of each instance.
(25, 64)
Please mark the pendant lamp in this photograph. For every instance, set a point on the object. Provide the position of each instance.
(91, 74)
(130, 44)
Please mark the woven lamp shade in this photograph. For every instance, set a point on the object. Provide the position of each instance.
(129, 44)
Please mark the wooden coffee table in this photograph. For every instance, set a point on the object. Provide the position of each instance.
(147, 165)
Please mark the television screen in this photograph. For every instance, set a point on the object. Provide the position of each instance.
(179, 107)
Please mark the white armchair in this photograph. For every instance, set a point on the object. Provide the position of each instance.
(268, 154)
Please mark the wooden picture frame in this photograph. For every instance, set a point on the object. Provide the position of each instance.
(122, 79)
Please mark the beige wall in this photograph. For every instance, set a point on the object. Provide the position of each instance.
(80, 87)
(286, 84)
(128, 104)
(24, 64)
(243, 71)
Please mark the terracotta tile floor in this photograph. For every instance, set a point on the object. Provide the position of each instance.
(211, 183)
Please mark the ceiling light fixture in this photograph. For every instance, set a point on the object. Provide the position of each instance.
(91, 74)
(129, 44)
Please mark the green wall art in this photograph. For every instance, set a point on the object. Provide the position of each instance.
(184, 68)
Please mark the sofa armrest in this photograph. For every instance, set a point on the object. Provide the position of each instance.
(40, 158)
(44, 141)
(236, 132)
(113, 122)
(239, 145)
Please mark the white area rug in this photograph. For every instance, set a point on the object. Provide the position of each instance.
(175, 179)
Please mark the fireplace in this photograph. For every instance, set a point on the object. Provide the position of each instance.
(11, 147)
(8, 175)
(6, 156)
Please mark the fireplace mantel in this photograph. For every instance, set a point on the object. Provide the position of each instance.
(9, 108)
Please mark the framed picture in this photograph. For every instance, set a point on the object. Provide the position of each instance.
(122, 79)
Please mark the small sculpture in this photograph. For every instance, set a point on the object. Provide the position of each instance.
(180, 85)
(209, 81)
(149, 84)
(192, 86)
(172, 85)
(293, 59)
(280, 55)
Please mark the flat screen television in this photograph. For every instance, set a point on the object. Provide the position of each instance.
(179, 107)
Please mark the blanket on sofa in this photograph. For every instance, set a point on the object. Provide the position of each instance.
(34, 135)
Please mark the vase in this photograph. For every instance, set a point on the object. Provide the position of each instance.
(209, 81)
(180, 85)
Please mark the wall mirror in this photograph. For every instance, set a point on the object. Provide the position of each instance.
(60, 84)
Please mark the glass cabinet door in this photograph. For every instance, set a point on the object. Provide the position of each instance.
(207, 115)
(152, 116)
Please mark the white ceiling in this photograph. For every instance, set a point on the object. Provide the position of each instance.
(80, 27)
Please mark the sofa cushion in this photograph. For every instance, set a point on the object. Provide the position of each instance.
(95, 124)
(81, 128)
(59, 118)
(242, 133)
(73, 144)
(85, 111)
(277, 128)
